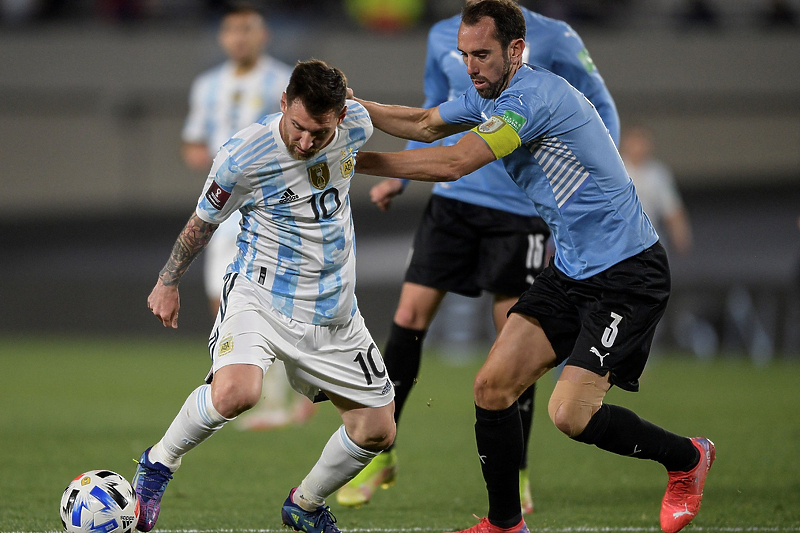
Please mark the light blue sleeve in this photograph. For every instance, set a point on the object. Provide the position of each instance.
(571, 61)
(435, 83)
(534, 113)
(462, 110)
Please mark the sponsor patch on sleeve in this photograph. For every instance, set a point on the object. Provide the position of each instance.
(514, 120)
(217, 196)
(586, 61)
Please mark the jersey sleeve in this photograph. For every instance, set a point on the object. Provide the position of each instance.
(462, 110)
(226, 188)
(527, 115)
(358, 123)
(194, 130)
(571, 61)
(435, 84)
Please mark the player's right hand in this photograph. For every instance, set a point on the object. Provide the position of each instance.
(384, 192)
(165, 302)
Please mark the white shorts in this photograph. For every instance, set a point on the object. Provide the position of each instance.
(340, 359)
(220, 252)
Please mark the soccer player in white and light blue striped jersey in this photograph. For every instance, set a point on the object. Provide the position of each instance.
(597, 304)
(288, 295)
(224, 100)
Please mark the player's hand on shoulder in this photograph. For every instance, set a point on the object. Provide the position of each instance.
(349, 95)
(384, 192)
(165, 302)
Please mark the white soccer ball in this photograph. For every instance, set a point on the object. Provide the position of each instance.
(99, 501)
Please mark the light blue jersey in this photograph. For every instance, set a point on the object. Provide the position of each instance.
(551, 44)
(297, 239)
(569, 166)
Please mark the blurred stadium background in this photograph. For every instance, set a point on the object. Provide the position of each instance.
(93, 94)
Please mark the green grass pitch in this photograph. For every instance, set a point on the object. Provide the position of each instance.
(71, 405)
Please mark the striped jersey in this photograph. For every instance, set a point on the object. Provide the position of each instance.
(549, 43)
(568, 165)
(297, 239)
(222, 103)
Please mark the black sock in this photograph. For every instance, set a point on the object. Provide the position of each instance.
(402, 356)
(526, 404)
(621, 431)
(498, 435)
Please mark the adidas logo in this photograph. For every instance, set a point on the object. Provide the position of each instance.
(288, 196)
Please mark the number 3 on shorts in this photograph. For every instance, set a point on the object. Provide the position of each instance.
(610, 333)
(368, 365)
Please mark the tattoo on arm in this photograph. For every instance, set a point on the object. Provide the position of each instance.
(192, 240)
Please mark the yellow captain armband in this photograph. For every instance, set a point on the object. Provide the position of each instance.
(501, 137)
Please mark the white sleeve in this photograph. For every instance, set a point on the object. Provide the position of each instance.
(194, 130)
(225, 191)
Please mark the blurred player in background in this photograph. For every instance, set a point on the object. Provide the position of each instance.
(289, 294)
(656, 189)
(224, 100)
(480, 233)
(595, 306)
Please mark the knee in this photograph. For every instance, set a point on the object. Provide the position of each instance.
(494, 393)
(566, 417)
(572, 405)
(374, 436)
(409, 317)
(231, 399)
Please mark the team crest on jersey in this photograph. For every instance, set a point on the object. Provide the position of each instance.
(319, 175)
(347, 165)
(492, 125)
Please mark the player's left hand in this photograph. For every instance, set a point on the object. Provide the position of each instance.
(349, 94)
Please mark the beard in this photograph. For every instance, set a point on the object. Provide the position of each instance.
(295, 153)
(493, 90)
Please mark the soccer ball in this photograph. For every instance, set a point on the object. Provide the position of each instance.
(99, 501)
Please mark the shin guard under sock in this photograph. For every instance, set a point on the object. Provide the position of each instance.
(402, 356)
(621, 431)
(498, 435)
(526, 403)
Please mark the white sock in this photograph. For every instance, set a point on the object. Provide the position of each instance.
(341, 460)
(196, 421)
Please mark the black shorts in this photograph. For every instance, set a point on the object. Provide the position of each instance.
(466, 249)
(604, 323)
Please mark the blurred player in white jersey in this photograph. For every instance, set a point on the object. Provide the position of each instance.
(223, 100)
(656, 189)
(288, 295)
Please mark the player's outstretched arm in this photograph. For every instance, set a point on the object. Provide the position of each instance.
(439, 163)
(415, 123)
(164, 300)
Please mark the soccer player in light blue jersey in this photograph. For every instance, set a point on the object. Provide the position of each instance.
(480, 233)
(596, 305)
(289, 295)
(222, 101)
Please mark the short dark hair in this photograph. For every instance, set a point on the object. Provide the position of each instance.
(509, 22)
(242, 8)
(321, 88)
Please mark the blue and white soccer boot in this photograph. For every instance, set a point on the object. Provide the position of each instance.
(149, 482)
(297, 518)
